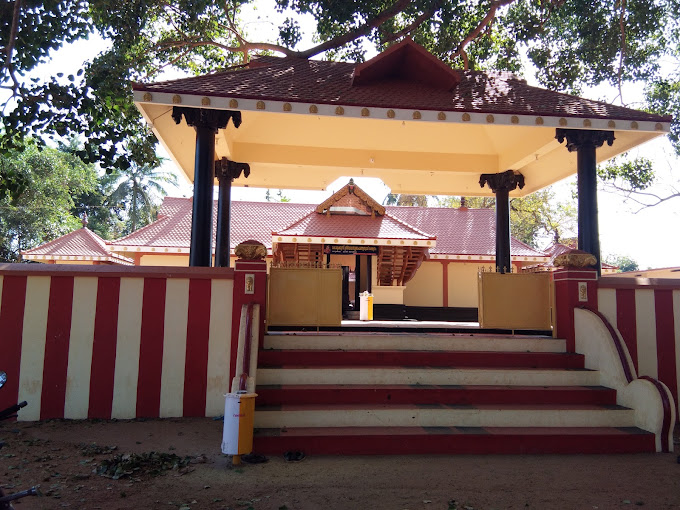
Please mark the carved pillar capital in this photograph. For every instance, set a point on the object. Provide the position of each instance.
(227, 169)
(206, 118)
(577, 138)
(503, 181)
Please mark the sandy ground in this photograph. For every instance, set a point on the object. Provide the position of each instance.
(51, 454)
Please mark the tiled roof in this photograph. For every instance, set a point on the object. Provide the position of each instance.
(314, 81)
(249, 220)
(79, 243)
(460, 231)
(351, 225)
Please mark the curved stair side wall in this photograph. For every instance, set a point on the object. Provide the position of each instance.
(646, 312)
(606, 352)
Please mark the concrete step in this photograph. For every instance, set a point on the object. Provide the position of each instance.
(452, 440)
(427, 376)
(420, 394)
(417, 342)
(405, 358)
(439, 415)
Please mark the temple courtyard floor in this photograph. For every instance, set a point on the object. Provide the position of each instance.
(63, 457)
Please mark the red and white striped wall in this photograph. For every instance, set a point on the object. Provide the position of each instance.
(647, 314)
(115, 342)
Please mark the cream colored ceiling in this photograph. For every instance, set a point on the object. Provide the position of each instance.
(305, 151)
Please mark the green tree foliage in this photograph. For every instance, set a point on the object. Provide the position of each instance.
(623, 262)
(280, 197)
(406, 200)
(571, 43)
(104, 217)
(137, 191)
(44, 210)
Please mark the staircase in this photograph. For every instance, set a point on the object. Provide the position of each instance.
(398, 263)
(402, 393)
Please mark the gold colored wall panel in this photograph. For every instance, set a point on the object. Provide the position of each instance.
(305, 297)
(515, 300)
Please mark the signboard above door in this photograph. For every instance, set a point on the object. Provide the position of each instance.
(349, 249)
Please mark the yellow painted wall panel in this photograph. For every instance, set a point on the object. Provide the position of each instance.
(463, 284)
(606, 304)
(515, 300)
(127, 348)
(219, 345)
(174, 260)
(426, 287)
(645, 316)
(80, 348)
(33, 345)
(174, 347)
(305, 297)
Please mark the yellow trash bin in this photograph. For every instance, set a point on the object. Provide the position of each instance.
(365, 306)
(239, 413)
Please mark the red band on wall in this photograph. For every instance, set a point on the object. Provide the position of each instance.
(665, 339)
(57, 341)
(151, 348)
(198, 334)
(104, 348)
(12, 303)
(626, 321)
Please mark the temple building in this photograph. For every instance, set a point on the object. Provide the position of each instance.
(419, 262)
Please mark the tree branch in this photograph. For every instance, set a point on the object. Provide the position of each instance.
(622, 27)
(9, 49)
(365, 29)
(474, 33)
(638, 196)
(246, 46)
(416, 23)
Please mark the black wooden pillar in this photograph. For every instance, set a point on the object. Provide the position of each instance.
(206, 123)
(225, 171)
(585, 142)
(502, 184)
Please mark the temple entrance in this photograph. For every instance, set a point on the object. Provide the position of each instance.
(356, 278)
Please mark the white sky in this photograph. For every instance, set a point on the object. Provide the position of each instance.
(651, 236)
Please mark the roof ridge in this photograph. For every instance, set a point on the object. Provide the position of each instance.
(141, 229)
(99, 240)
(64, 239)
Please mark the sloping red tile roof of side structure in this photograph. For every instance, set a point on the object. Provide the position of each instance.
(460, 231)
(79, 243)
(249, 220)
(457, 231)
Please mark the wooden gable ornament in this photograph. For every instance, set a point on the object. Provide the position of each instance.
(351, 197)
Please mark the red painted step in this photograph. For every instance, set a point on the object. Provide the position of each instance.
(303, 357)
(452, 440)
(425, 394)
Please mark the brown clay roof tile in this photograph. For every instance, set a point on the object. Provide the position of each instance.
(314, 81)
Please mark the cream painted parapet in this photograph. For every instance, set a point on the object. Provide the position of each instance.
(606, 352)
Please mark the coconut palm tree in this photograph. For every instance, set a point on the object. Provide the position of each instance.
(138, 191)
